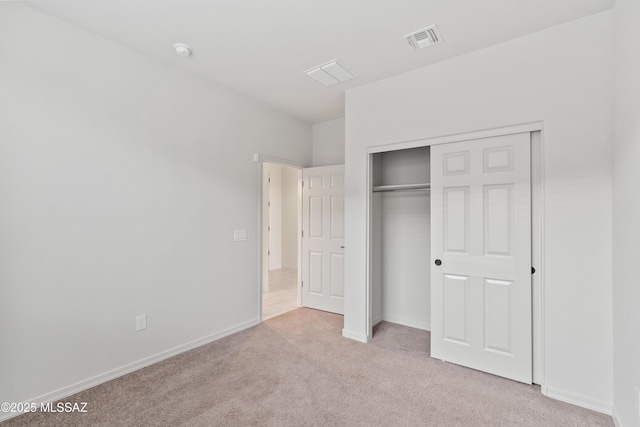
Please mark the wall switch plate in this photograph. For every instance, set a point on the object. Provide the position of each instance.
(239, 235)
(141, 322)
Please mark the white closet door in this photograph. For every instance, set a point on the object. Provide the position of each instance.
(323, 238)
(481, 248)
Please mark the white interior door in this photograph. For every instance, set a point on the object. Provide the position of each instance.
(481, 254)
(323, 238)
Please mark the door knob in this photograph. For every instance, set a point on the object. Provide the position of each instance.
(438, 262)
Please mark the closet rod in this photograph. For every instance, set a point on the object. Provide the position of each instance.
(401, 187)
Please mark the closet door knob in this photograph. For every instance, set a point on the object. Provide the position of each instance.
(438, 262)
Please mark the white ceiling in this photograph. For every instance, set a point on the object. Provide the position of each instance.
(262, 47)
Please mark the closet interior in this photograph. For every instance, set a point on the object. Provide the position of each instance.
(400, 238)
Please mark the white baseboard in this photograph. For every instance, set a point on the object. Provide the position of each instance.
(616, 420)
(425, 326)
(131, 367)
(577, 399)
(376, 321)
(355, 336)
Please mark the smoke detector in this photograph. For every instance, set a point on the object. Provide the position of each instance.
(424, 37)
(182, 49)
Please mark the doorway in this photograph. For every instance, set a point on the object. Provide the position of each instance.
(280, 239)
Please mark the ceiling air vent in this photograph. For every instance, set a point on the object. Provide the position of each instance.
(330, 73)
(424, 37)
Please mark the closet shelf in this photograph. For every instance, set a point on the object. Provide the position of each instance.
(402, 187)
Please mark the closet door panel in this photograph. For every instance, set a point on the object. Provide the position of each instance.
(481, 232)
(497, 315)
(456, 219)
(455, 309)
(498, 219)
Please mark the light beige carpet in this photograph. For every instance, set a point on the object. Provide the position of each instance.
(296, 370)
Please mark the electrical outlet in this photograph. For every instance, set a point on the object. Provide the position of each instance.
(141, 322)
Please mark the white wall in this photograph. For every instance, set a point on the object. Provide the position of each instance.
(275, 217)
(290, 205)
(563, 77)
(328, 143)
(264, 261)
(121, 180)
(282, 215)
(406, 250)
(401, 291)
(626, 211)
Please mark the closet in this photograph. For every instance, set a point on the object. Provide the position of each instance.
(475, 295)
(401, 242)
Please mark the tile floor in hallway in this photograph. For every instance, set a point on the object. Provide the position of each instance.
(282, 294)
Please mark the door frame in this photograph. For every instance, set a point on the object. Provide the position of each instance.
(262, 159)
(537, 225)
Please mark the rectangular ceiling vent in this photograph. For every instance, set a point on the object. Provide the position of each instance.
(424, 37)
(330, 73)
